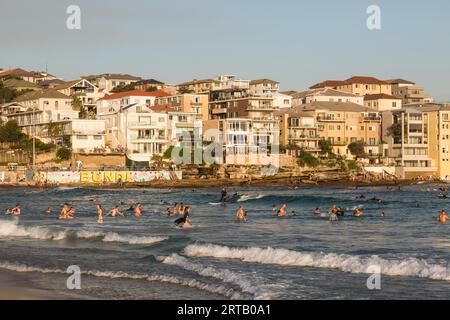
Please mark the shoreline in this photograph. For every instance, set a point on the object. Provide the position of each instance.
(211, 183)
(18, 286)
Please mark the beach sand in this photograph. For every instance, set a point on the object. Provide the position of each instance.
(19, 286)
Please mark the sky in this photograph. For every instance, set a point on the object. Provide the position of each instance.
(296, 42)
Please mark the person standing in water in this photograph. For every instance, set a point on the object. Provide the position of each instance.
(240, 214)
(224, 194)
(16, 211)
(100, 214)
(138, 210)
(442, 217)
(282, 212)
(115, 212)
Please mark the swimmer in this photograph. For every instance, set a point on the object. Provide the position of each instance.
(115, 212)
(333, 215)
(274, 207)
(334, 209)
(167, 212)
(417, 205)
(383, 214)
(8, 212)
(317, 212)
(64, 214)
(185, 219)
(175, 209)
(138, 210)
(357, 213)
(240, 214)
(442, 217)
(100, 214)
(282, 212)
(49, 210)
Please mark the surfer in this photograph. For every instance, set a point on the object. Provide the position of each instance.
(240, 214)
(223, 194)
(100, 214)
(186, 219)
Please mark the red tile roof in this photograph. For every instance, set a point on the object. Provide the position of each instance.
(364, 80)
(327, 83)
(163, 108)
(136, 93)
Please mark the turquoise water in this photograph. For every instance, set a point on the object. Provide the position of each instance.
(299, 257)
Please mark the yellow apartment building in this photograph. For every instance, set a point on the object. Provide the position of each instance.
(188, 102)
(343, 123)
(382, 102)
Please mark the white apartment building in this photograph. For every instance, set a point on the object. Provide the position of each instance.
(325, 95)
(110, 81)
(86, 91)
(142, 129)
(87, 135)
(263, 88)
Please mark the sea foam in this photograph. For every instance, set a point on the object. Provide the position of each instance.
(411, 267)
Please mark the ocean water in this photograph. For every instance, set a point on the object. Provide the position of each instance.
(298, 257)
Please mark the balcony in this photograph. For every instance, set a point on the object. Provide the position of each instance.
(219, 110)
(372, 119)
(146, 124)
(261, 108)
(330, 119)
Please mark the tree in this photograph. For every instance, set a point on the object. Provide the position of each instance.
(168, 153)
(395, 130)
(10, 132)
(306, 159)
(357, 149)
(157, 160)
(77, 105)
(123, 88)
(326, 148)
(152, 89)
(63, 153)
(53, 129)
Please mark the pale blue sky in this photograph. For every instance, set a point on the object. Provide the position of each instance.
(295, 42)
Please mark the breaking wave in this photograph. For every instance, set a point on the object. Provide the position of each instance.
(185, 282)
(409, 267)
(224, 275)
(10, 229)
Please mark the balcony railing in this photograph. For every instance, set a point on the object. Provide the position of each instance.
(143, 124)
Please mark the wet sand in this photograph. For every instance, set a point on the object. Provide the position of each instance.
(18, 286)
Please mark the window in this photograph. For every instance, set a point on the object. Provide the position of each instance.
(372, 141)
(83, 137)
(98, 137)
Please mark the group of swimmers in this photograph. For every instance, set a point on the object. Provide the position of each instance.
(181, 210)
(15, 212)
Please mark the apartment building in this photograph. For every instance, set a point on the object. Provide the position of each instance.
(360, 85)
(298, 129)
(48, 115)
(419, 140)
(109, 81)
(409, 92)
(325, 95)
(188, 102)
(87, 92)
(134, 123)
(200, 86)
(343, 123)
(382, 102)
(257, 112)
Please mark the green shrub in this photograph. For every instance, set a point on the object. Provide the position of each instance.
(306, 159)
(64, 153)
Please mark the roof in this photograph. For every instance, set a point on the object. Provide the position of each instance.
(289, 92)
(18, 72)
(148, 81)
(260, 81)
(136, 93)
(163, 108)
(335, 106)
(399, 81)
(67, 84)
(49, 82)
(113, 76)
(327, 83)
(364, 80)
(323, 92)
(370, 97)
(50, 94)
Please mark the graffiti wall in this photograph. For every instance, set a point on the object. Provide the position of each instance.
(108, 176)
